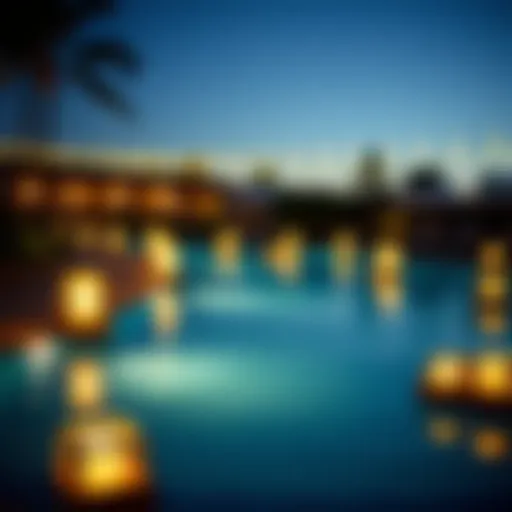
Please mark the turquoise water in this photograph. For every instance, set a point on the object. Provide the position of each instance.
(272, 396)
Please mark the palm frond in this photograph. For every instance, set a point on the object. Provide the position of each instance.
(86, 72)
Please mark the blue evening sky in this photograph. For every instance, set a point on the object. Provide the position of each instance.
(279, 75)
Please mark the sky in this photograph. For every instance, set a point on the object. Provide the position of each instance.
(304, 81)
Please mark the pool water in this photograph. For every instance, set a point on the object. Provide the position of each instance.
(274, 396)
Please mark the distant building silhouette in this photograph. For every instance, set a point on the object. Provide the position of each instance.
(496, 184)
(427, 182)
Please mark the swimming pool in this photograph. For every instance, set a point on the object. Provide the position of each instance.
(274, 396)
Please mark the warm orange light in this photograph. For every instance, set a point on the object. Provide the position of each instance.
(444, 376)
(492, 302)
(444, 431)
(209, 204)
(387, 263)
(86, 236)
(74, 195)
(29, 192)
(116, 196)
(492, 378)
(160, 199)
(491, 444)
(112, 462)
(84, 302)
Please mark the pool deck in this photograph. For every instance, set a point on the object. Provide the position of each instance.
(27, 302)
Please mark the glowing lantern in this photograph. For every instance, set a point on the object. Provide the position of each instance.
(163, 254)
(227, 248)
(29, 192)
(74, 195)
(84, 301)
(492, 378)
(166, 311)
(116, 196)
(160, 199)
(111, 468)
(491, 444)
(445, 377)
(444, 431)
(343, 253)
(85, 388)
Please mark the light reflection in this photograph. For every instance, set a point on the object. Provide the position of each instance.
(343, 253)
(491, 444)
(166, 310)
(444, 431)
(163, 253)
(285, 255)
(227, 249)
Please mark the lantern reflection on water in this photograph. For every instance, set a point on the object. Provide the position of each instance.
(491, 381)
(285, 255)
(163, 254)
(493, 258)
(227, 248)
(343, 253)
(83, 301)
(492, 296)
(445, 377)
(101, 461)
(444, 431)
(85, 388)
(387, 273)
(166, 310)
(491, 444)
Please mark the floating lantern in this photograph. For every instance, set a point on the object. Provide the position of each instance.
(74, 195)
(445, 377)
(101, 461)
(83, 301)
(491, 444)
(85, 388)
(227, 248)
(491, 381)
(163, 254)
(444, 431)
(29, 192)
(343, 253)
(166, 310)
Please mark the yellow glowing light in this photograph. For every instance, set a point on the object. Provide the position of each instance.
(444, 431)
(445, 375)
(491, 444)
(84, 300)
(227, 248)
(286, 254)
(29, 192)
(166, 311)
(387, 264)
(163, 254)
(112, 462)
(343, 253)
(84, 385)
(492, 378)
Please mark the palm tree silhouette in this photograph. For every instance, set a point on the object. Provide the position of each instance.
(32, 33)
